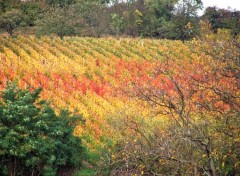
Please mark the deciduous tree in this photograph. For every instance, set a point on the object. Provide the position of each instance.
(11, 20)
(60, 21)
(33, 139)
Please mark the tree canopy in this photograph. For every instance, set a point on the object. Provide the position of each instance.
(10, 20)
(34, 140)
(171, 19)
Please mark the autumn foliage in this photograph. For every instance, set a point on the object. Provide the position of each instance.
(151, 106)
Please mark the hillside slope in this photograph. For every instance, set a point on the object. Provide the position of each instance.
(82, 74)
(141, 98)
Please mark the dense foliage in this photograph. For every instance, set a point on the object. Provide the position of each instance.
(221, 18)
(11, 20)
(33, 139)
(172, 19)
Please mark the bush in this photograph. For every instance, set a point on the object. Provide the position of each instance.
(33, 139)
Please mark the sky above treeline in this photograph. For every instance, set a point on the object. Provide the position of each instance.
(233, 4)
(225, 4)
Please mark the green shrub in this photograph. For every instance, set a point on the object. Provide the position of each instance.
(34, 140)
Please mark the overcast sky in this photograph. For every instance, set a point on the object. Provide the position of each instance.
(233, 4)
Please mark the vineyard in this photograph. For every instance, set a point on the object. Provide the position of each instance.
(83, 74)
(130, 92)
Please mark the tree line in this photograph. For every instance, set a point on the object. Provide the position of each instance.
(171, 19)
